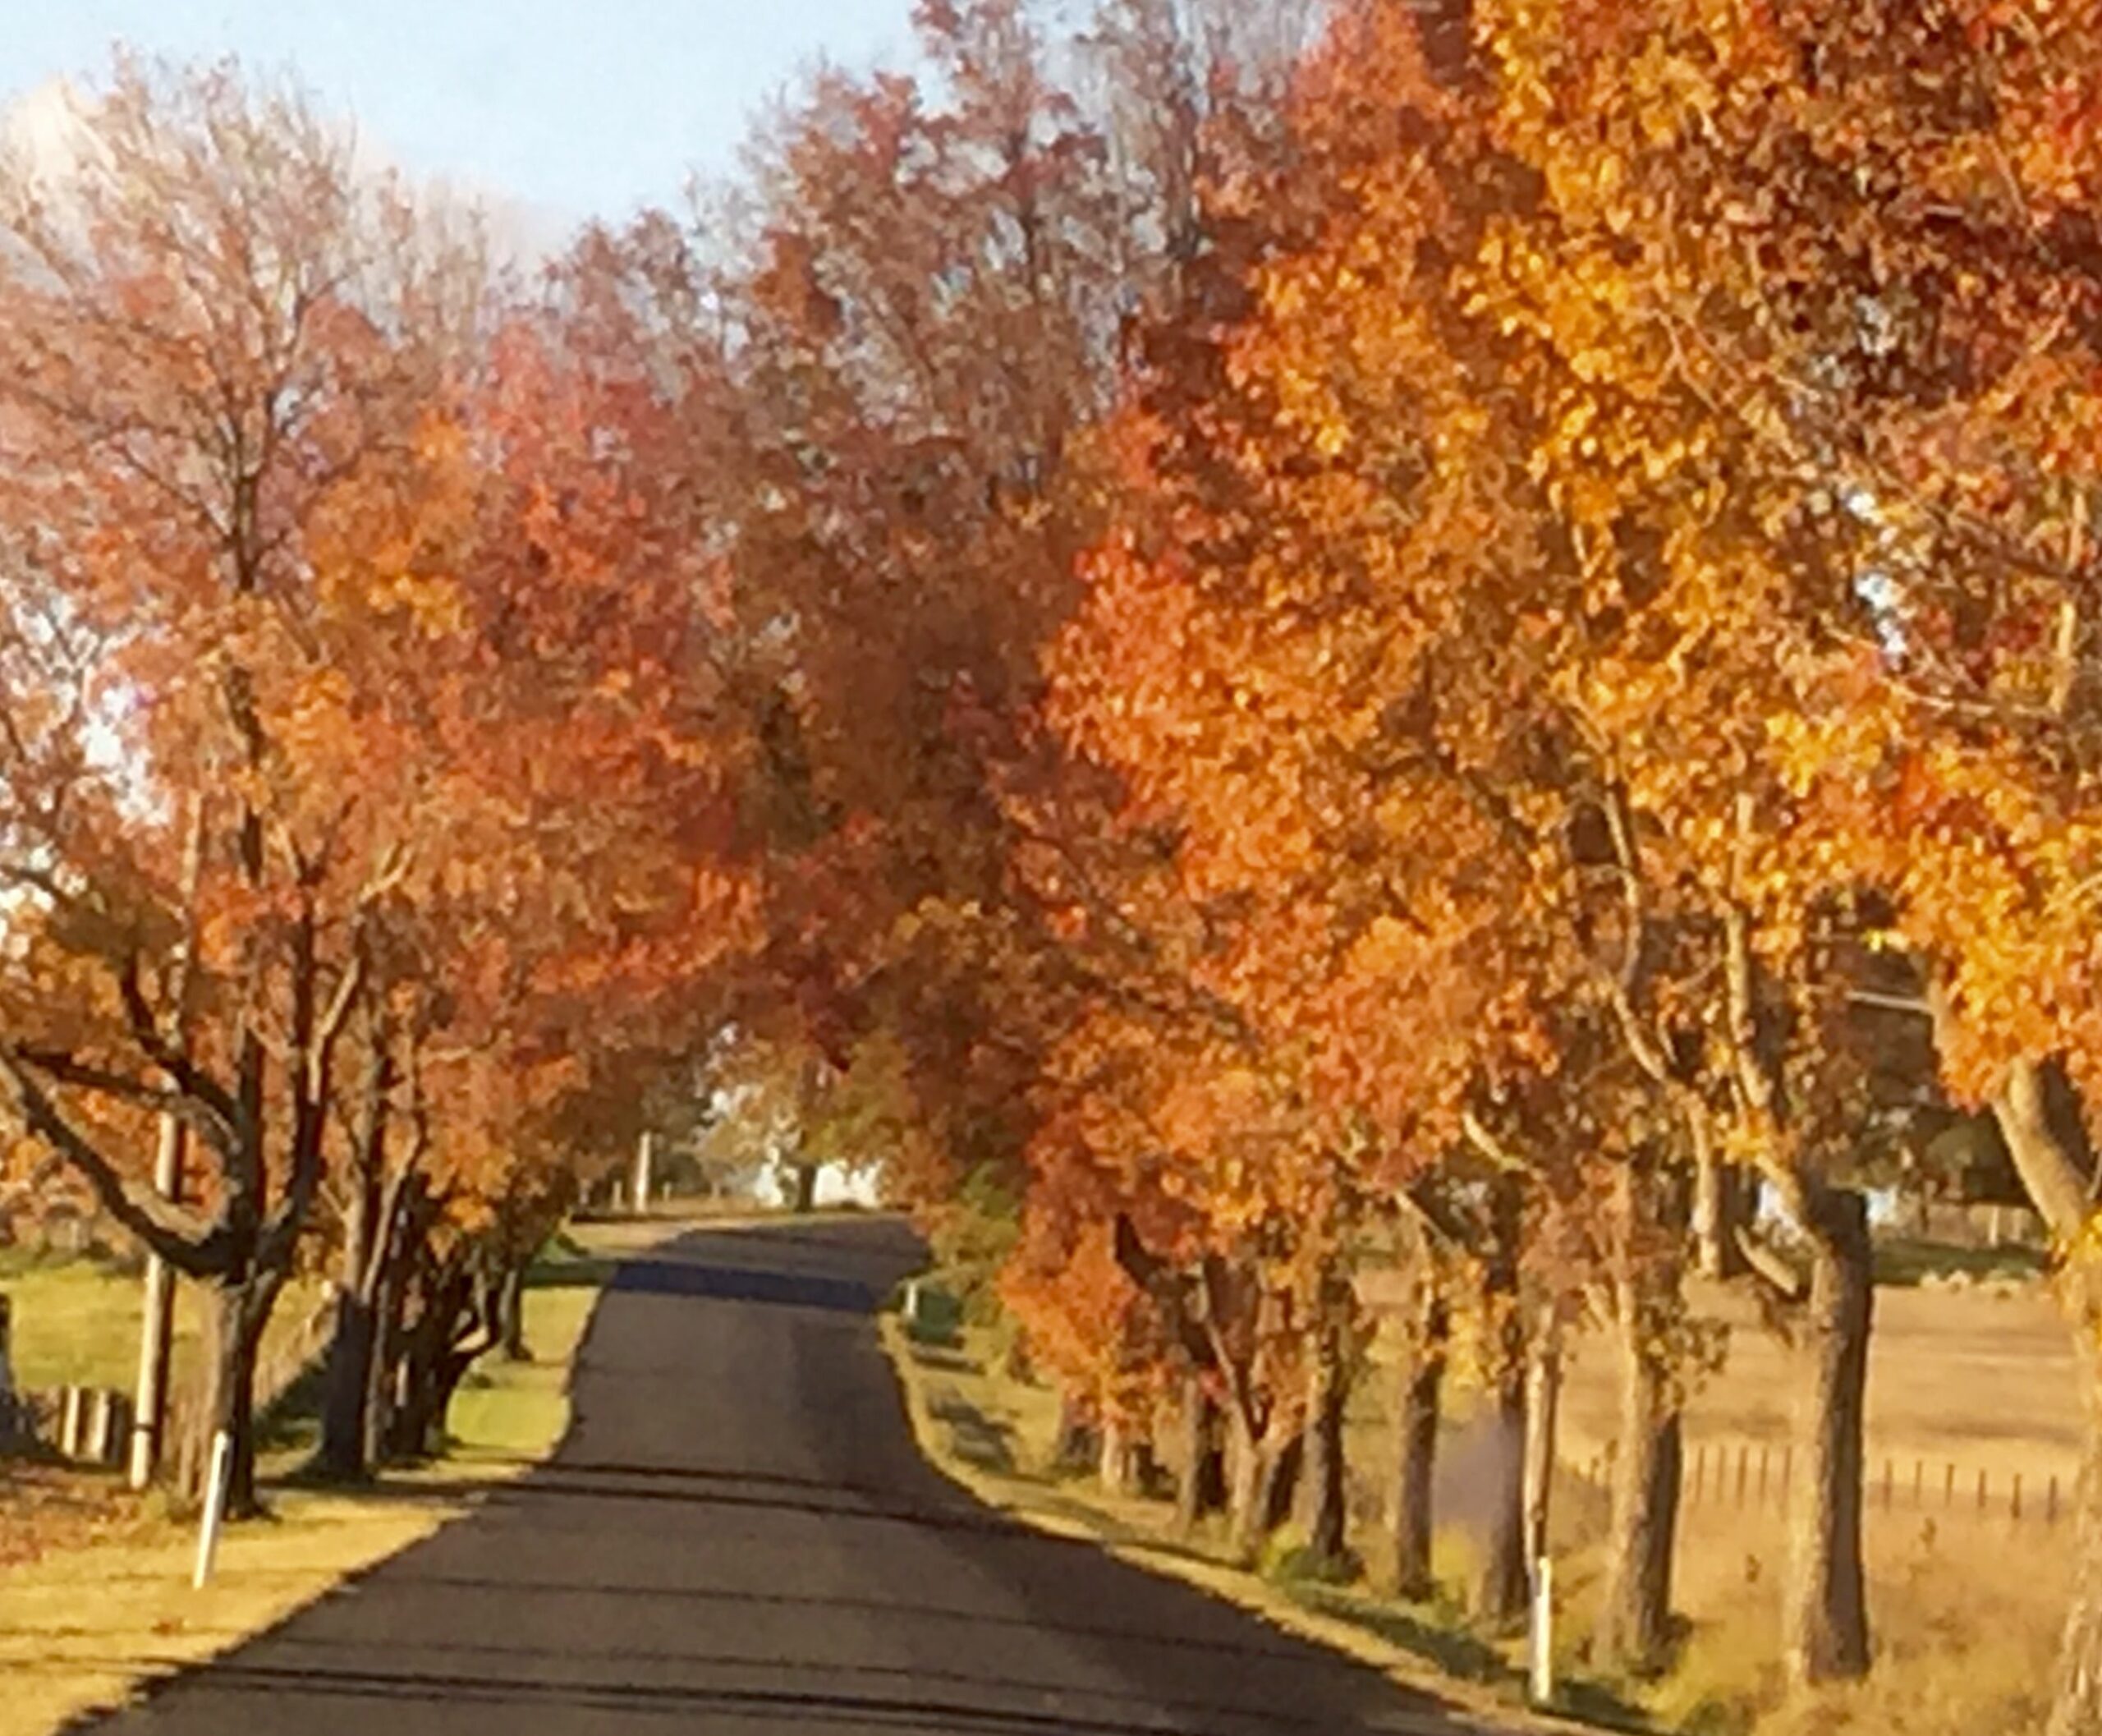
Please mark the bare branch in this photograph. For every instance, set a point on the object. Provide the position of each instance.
(184, 1238)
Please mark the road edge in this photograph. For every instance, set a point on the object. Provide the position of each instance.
(262, 1579)
(1247, 1591)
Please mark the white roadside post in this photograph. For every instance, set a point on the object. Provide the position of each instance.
(646, 1157)
(1542, 1649)
(215, 1507)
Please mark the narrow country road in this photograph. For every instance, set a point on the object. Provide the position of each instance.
(738, 1538)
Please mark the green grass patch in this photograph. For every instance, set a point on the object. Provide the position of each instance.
(111, 1607)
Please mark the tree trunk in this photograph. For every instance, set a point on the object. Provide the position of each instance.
(1634, 1624)
(1543, 1418)
(1199, 1483)
(1827, 1632)
(1501, 1581)
(386, 1350)
(1077, 1447)
(1720, 1197)
(1114, 1468)
(157, 1323)
(806, 1188)
(342, 1457)
(1253, 1465)
(232, 1330)
(1322, 1515)
(1421, 1382)
(349, 1378)
(511, 1316)
(2076, 1698)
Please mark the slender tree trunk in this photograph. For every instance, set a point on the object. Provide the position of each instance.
(1199, 1472)
(1252, 1465)
(1500, 1583)
(1502, 1577)
(1635, 1624)
(806, 1188)
(511, 1316)
(1421, 1382)
(157, 1323)
(377, 1424)
(1543, 1421)
(1114, 1467)
(1827, 1630)
(1078, 1446)
(1721, 1195)
(349, 1378)
(1322, 1513)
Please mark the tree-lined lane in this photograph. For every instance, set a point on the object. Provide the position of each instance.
(739, 1535)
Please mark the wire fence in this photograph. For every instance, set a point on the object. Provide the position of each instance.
(1748, 1477)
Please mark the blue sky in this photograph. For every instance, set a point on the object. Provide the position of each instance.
(571, 108)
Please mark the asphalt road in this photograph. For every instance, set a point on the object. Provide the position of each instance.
(738, 1538)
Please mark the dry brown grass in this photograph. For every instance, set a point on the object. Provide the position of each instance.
(1965, 1609)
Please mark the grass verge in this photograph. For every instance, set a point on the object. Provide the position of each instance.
(1964, 1606)
(111, 1607)
(980, 1431)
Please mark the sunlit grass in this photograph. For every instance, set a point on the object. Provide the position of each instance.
(112, 1606)
(1965, 1610)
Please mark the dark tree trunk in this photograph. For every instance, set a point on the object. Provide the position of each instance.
(1078, 1447)
(1502, 1577)
(1200, 1469)
(806, 1187)
(1322, 1515)
(378, 1423)
(1635, 1624)
(233, 1327)
(349, 1379)
(1253, 1467)
(1501, 1580)
(346, 1390)
(1543, 1419)
(1827, 1629)
(1287, 1468)
(1419, 1381)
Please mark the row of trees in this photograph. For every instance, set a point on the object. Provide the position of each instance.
(1269, 630)
(368, 796)
(1465, 624)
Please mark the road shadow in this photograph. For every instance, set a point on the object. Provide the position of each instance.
(746, 1539)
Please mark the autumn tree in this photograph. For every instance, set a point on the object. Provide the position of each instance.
(217, 338)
